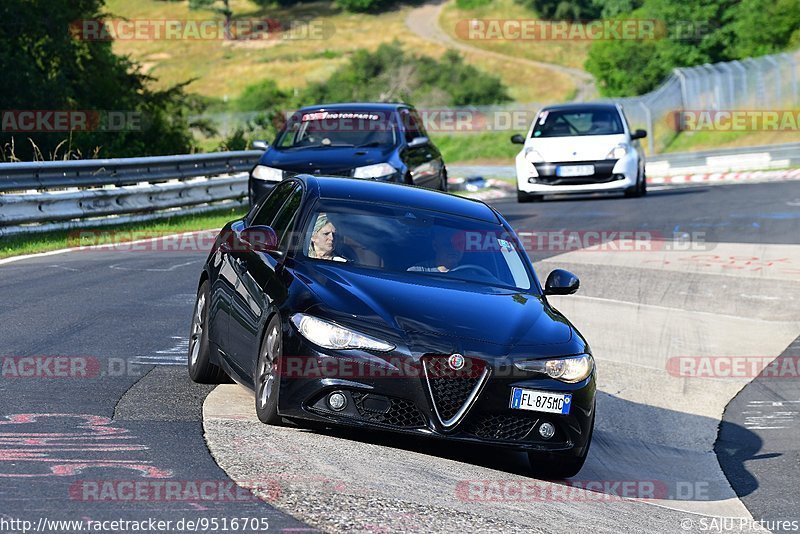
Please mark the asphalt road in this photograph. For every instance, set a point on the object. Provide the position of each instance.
(115, 325)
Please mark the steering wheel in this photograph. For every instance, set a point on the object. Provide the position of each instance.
(473, 267)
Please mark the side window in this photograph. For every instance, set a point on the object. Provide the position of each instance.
(284, 221)
(272, 204)
(420, 125)
(411, 125)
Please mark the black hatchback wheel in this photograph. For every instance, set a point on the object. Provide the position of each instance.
(267, 374)
(201, 369)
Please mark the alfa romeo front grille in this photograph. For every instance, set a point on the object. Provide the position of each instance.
(453, 391)
(501, 427)
(389, 411)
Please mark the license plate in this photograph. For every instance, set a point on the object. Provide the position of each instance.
(540, 401)
(574, 170)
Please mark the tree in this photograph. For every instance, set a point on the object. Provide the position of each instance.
(224, 10)
(49, 64)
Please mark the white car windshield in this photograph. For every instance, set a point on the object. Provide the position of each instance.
(577, 123)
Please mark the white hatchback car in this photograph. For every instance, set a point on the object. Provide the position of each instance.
(580, 148)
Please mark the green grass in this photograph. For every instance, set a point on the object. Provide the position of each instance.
(33, 243)
(694, 141)
(494, 147)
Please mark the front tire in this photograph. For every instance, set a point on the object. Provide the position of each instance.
(267, 377)
(523, 197)
(201, 370)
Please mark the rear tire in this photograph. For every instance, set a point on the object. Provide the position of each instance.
(551, 466)
(201, 370)
(267, 377)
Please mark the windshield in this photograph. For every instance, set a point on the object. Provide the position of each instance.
(320, 129)
(576, 122)
(418, 242)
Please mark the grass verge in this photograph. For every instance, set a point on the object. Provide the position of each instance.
(473, 147)
(33, 243)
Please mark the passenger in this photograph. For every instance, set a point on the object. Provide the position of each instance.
(322, 245)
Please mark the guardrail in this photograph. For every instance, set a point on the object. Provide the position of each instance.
(756, 158)
(59, 195)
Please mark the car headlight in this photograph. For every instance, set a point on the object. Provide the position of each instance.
(618, 152)
(572, 369)
(378, 170)
(262, 172)
(332, 336)
(532, 155)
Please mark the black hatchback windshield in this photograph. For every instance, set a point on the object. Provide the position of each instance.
(320, 129)
(420, 242)
(577, 122)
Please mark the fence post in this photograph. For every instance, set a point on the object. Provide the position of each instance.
(651, 144)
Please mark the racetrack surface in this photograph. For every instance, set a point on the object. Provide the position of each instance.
(735, 295)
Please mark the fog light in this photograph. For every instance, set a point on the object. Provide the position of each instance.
(547, 430)
(337, 401)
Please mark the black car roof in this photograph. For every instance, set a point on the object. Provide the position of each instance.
(352, 106)
(595, 106)
(361, 190)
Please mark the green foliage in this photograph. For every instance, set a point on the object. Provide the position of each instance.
(390, 74)
(765, 26)
(472, 4)
(687, 33)
(564, 9)
(261, 96)
(46, 67)
(264, 126)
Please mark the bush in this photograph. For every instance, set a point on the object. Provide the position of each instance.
(391, 75)
(261, 96)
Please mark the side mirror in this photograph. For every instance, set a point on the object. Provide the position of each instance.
(258, 144)
(561, 282)
(638, 134)
(418, 141)
(517, 139)
(258, 239)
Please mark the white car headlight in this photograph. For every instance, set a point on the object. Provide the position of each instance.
(532, 155)
(262, 172)
(572, 369)
(374, 171)
(618, 152)
(332, 336)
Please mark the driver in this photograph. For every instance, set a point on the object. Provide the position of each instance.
(447, 251)
(322, 244)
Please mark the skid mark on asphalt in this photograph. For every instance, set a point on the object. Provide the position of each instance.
(121, 267)
(174, 355)
(45, 444)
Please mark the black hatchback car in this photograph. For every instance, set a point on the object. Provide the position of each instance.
(385, 142)
(353, 302)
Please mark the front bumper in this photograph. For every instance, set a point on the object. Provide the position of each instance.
(544, 178)
(393, 392)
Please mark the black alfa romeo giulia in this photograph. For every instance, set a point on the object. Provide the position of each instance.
(344, 301)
